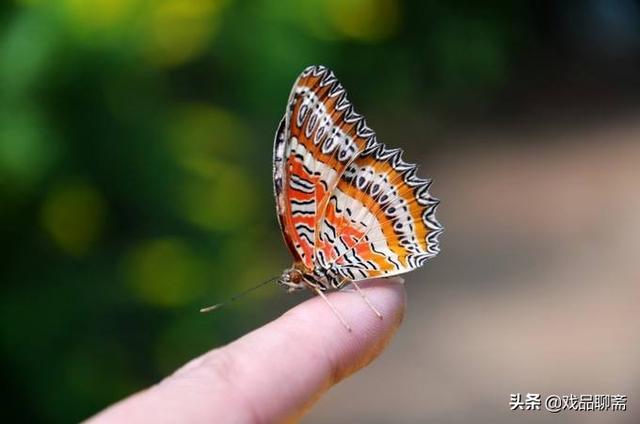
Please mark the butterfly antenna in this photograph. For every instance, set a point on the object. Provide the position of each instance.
(237, 296)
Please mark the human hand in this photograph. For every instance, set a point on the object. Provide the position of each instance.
(277, 372)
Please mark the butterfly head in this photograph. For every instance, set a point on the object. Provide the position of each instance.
(292, 279)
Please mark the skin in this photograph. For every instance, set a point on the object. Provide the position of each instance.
(277, 372)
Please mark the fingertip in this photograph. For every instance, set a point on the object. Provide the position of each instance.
(278, 371)
(386, 294)
(368, 335)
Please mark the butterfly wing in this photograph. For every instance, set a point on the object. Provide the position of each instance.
(319, 136)
(381, 217)
(345, 201)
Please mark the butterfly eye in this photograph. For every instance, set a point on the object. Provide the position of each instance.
(295, 276)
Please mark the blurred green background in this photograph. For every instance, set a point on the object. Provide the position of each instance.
(135, 155)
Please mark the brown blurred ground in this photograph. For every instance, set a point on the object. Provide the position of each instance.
(536, 289)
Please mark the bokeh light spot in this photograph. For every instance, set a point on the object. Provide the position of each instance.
(225, 201)
(204, 133)
(98, 14)
(27, 150)
(27, 50)
(178, 30)
(165, 272)
(364, 20)
(73, 214)
(208, 143)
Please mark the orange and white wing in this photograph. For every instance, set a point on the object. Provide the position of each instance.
(346, 203)
(319, 136)
(381, 218)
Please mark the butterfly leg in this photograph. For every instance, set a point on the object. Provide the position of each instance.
(366, 299)
(333, 308)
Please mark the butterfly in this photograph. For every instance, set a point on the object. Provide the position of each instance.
(349, 207)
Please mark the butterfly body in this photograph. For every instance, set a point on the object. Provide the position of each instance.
(349, 207)
(299, 277)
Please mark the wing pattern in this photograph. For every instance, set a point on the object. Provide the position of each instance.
(348, 206)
